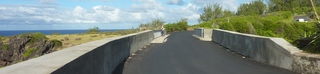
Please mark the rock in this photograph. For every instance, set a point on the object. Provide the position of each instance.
(78, 39)
(61, 40)
(66, 38)
(16, 49)
(43, 47)
(18, 45)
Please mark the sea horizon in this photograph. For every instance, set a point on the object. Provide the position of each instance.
(49, 32)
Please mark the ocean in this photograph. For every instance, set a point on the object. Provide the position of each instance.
(48, 32)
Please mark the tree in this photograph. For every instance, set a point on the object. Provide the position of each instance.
(256, 7)
(154, 24)
(181, 25)
(211, 12)
(157, 22)
(93, 30)
(228, 13)
(295, 6)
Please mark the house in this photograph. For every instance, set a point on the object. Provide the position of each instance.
(301, 19)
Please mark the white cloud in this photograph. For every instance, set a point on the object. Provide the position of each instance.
(139, 12)
(48, 1)
(226, 4)
(175, 2)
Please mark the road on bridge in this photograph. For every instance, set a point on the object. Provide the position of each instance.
(184, 54)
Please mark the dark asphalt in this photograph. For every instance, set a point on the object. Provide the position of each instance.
(184, 54)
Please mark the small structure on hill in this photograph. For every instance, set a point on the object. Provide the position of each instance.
(301, 19)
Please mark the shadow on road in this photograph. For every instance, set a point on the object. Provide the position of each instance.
(120, 67)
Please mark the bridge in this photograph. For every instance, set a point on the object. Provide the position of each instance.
(202, 51)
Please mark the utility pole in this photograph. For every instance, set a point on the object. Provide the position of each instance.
(314, 9)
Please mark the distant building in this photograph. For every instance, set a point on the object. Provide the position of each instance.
(301, 19)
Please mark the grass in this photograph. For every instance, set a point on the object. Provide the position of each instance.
(72, 38)
(56, 42)
(4, 39)
(28, 52)
(59, 39)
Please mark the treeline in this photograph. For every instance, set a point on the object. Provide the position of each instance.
(181, 25)
(274, 19)
(277, 24)
(156, 24)
(153, 25)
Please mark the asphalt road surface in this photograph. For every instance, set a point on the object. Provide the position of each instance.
(184, 54)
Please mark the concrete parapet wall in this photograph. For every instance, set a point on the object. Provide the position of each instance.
(207, 33)
(198, 32)
(273, 51)
(263, 49)
(203, 34)
(96, 57)
(157, 33)
(306, 63)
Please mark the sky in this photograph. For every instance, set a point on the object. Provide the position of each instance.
(105, 14)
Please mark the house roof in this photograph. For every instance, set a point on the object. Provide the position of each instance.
(306, 18)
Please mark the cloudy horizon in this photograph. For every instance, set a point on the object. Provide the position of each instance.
(105, 14)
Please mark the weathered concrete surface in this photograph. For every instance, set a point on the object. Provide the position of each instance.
(307, 63)
(272, 51)
(96, 57)
(203, 34)
(207, 33)
(184, 54)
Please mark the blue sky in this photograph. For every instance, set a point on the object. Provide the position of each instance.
(106, 14)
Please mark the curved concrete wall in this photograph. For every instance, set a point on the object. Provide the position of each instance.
(96, 57)
(273, 51)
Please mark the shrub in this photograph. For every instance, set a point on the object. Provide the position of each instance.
(241, 25)
(56, 42)
(28, 52)
(93, 30)
(36, 36)
(5, 46)
(227, 26)
(206, 25)
(313, 46)
(181, 25)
